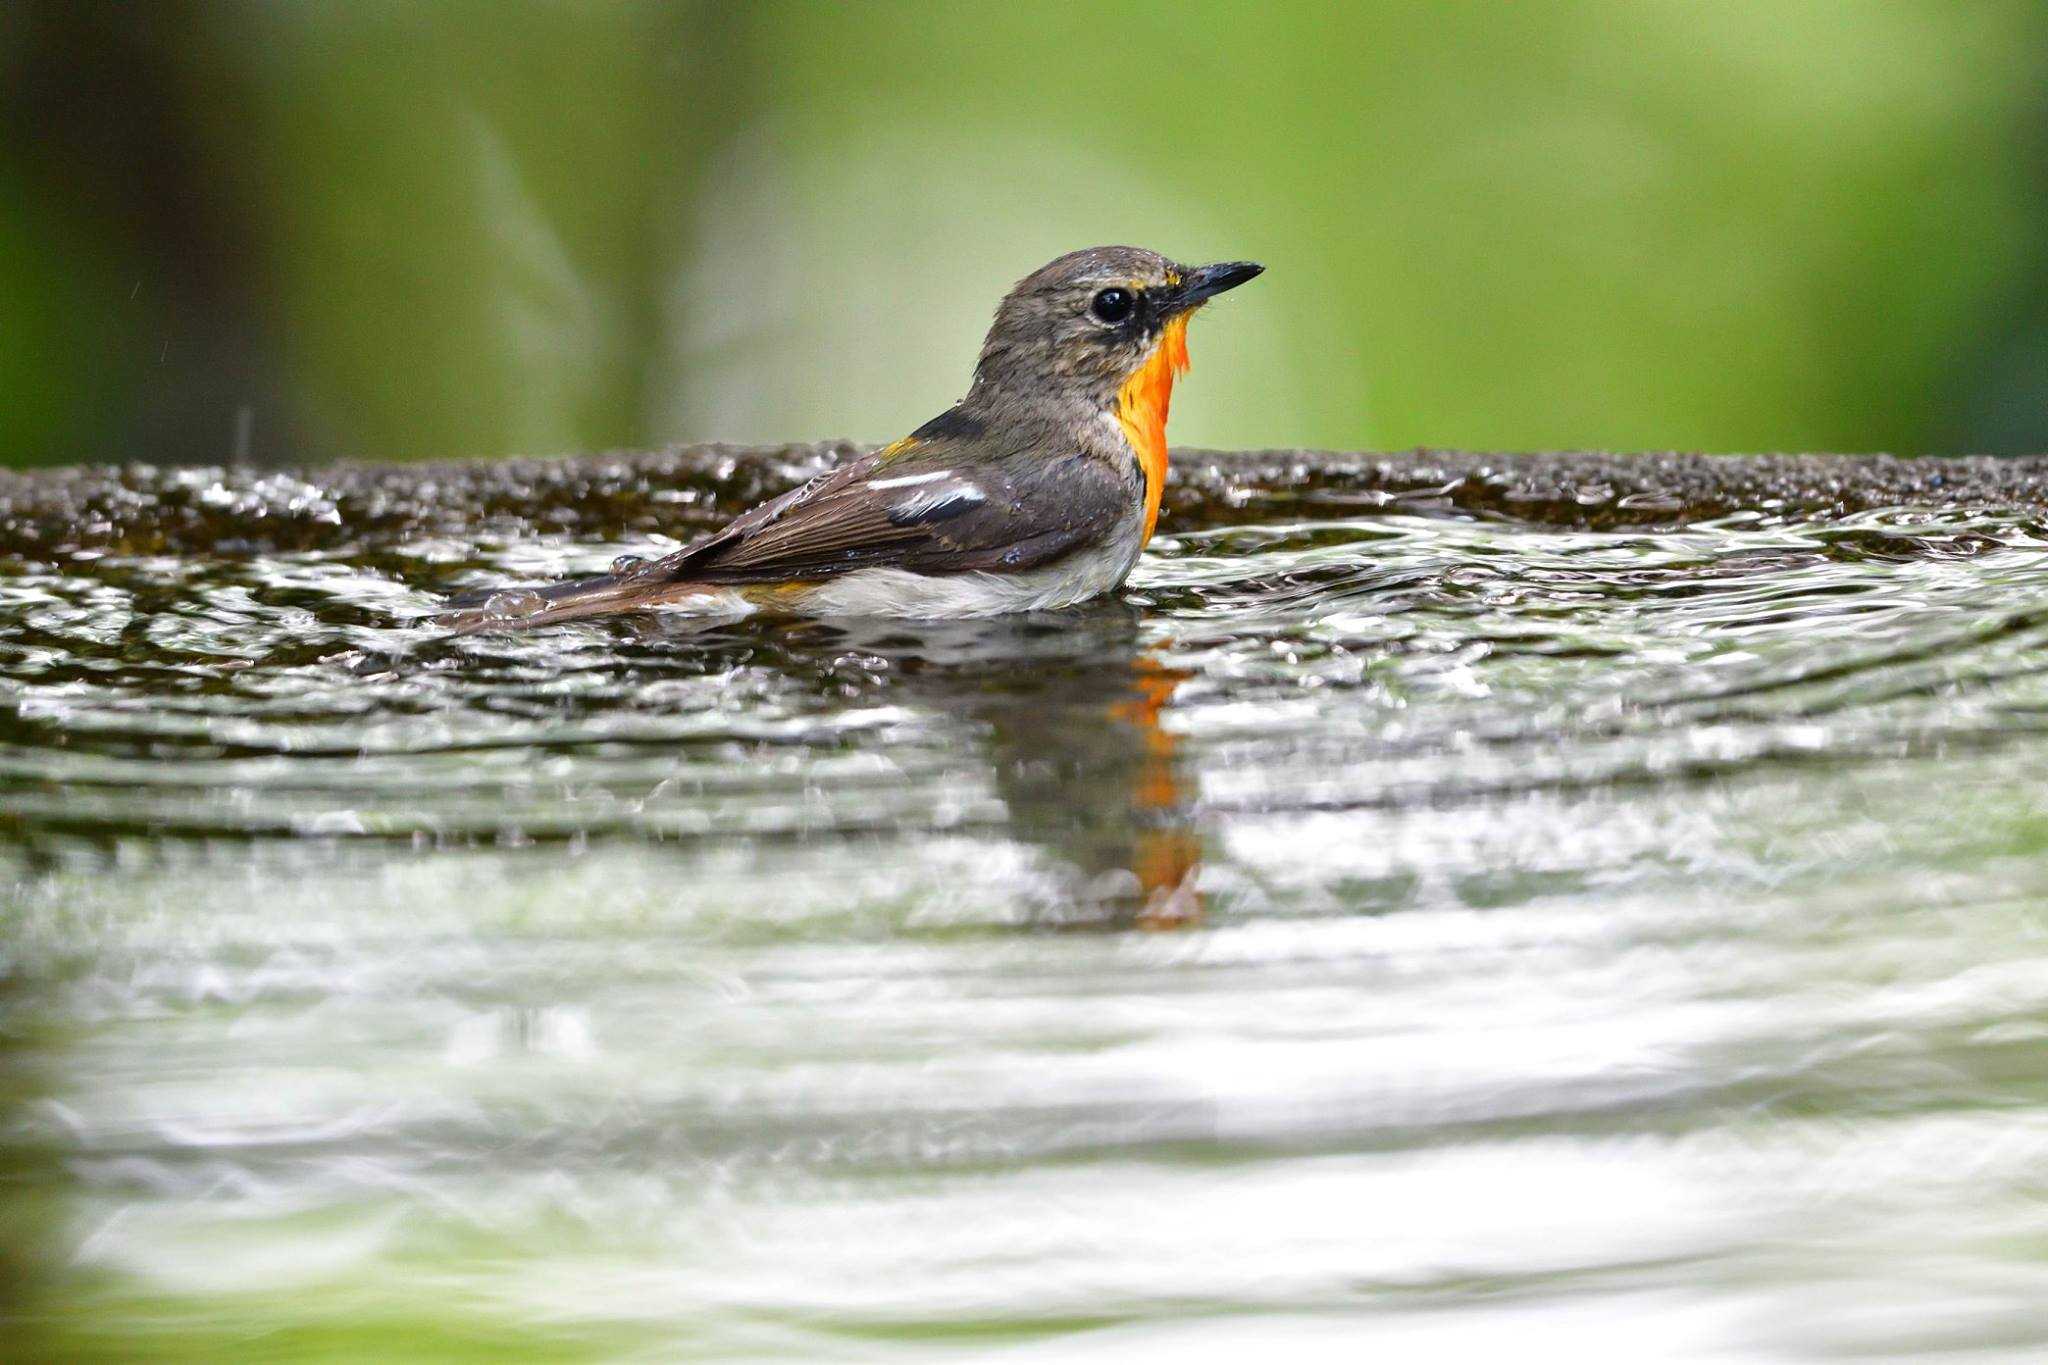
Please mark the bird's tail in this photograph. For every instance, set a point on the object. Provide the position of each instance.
(526, 607)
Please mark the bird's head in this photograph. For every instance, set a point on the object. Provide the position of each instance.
(1084, 327)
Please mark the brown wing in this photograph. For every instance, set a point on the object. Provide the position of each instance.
(950, 499)
(947, 502)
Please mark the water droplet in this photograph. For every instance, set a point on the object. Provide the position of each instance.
(517, 602)
(626, 564)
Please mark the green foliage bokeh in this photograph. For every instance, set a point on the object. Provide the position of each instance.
(495, 228)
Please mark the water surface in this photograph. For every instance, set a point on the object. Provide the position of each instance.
(1615, 923)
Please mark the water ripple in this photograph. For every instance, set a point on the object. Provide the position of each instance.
(1587, 912)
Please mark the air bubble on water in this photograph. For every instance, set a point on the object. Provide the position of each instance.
(626, 564)
(517, 602)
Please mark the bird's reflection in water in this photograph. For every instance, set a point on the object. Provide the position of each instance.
(1069, 708)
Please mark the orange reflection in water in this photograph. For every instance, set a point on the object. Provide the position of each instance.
(1166, 853)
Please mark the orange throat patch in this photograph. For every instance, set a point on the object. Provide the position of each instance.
(1141, 411)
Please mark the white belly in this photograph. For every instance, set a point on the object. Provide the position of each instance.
(898, 592)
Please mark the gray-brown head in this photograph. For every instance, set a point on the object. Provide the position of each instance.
(1079, 328)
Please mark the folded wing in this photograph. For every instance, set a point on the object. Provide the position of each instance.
(946, 503)
(930, 509)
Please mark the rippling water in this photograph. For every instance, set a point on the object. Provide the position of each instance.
(1617, 925)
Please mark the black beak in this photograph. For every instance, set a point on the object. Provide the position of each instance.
(1203, 283)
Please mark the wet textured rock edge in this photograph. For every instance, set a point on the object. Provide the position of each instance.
(681, 490)
(1648, 488)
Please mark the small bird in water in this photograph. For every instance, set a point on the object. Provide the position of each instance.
(1038, 489)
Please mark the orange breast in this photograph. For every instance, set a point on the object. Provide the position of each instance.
(1141, 411)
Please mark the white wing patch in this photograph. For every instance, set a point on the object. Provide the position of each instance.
(937, 503)
(909, 480)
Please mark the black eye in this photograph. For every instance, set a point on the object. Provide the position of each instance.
(1113, 305)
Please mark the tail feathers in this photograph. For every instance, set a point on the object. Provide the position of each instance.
(525, 607)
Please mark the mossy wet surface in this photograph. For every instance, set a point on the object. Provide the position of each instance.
(1447, 892)
(676, 492)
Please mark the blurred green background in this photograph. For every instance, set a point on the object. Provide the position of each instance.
(398, 229)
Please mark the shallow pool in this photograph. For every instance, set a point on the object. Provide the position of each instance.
(1602, 920)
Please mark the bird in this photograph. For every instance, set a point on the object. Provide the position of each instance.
(1037, 490)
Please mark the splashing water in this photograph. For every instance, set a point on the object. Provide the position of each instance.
(1601, 908)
